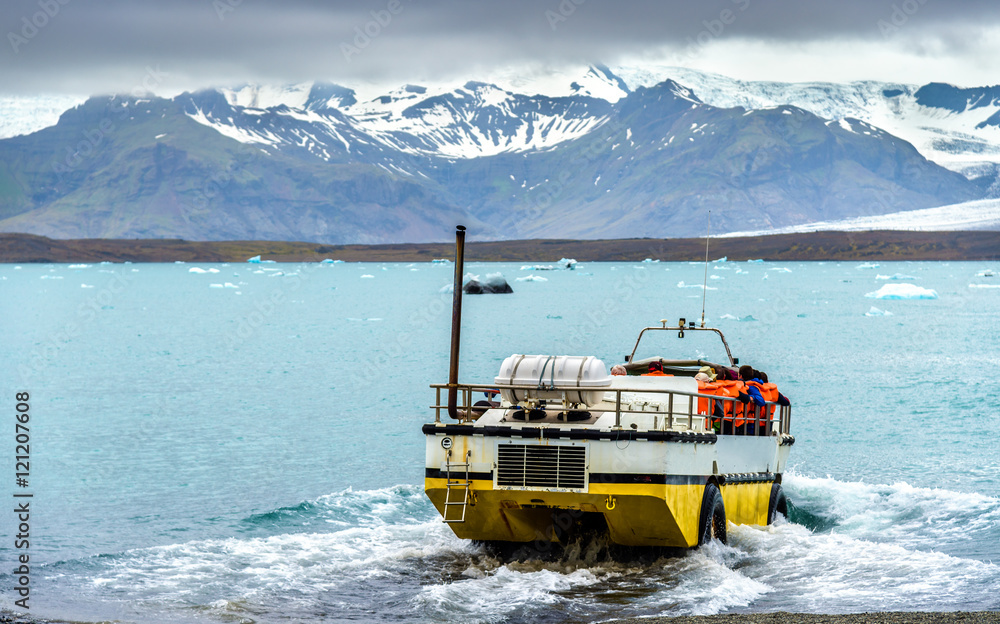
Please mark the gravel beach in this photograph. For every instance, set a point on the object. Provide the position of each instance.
(781, 617)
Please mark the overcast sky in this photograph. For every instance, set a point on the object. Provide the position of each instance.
(87, 47)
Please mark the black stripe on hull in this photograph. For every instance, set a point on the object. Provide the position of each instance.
(595, 477)
(562, 433)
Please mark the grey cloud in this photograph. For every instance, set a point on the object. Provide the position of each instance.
(101, 45)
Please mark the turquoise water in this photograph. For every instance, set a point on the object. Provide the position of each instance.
(242, 442)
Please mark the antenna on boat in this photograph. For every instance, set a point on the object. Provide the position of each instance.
(704, 286)
(456, 321)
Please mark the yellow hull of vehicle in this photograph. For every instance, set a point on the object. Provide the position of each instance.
(636, 514)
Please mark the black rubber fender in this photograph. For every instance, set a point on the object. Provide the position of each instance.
(712, 522)
(778, 503)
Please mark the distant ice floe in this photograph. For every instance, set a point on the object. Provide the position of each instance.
(983, 273)
(722, 259)
(538, 267)
(781, 270)
(87, 266)
(984, 285)
(226, 285)
(730, 317)
(895, 276)
(86, 286)
(51, 277)
(876, 312)
(902, 291)
(369, 320)
(200, 270)
(440, 261)
(650, 261)
(531, 278)
(683, 285)
(867, 265)
(367, 276)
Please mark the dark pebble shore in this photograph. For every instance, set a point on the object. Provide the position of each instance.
(781, 617)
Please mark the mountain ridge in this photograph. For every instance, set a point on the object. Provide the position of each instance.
(320, 163)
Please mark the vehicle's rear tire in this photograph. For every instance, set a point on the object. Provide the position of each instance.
(712, 522)
(778, 504)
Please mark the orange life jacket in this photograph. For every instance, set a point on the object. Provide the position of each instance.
(770, 393)
(656, 374)
(734, 410)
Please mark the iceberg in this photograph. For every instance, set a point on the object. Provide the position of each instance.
(254, 260)
(367, 276)
(200, 270)
(78, 266)
(895, 276)
(902, 291)
(867, 265)
(722, 259)
(567, 263)
(493, 284)
(876, 312)
(531, 278)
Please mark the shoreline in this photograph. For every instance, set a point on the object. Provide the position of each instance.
(879, 246)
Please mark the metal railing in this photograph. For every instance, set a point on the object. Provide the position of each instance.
(774, 418)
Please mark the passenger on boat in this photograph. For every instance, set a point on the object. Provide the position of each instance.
(655, 370)
(618, 369)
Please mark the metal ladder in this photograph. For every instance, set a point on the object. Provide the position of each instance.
(462, 485)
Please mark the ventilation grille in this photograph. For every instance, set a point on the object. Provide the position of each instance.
(533, 466)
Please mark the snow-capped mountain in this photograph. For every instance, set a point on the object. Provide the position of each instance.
(955, 127)
(595, 153)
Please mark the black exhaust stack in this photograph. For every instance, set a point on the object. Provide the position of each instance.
(456, 321)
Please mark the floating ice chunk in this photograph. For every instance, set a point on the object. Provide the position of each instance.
(326, 261)
(52, 277)
(567, 263)
(493, 284)
(757, 260)
(538, 267)
(440, 261)
(650, 261)
(85, 286)
(867, 265)
(781, 270)
(531, 278)
(983, 273)
(715, 277)
(87, 266)
(722, 259)
(984, 285)
(254, 260)
(876, 312)
(730, 317)
(367, 276)
(683, 285)
(742, 272)
(895, 276)
(226, 285)
(447, 288)
(748, 317)
(370, 320)
(902, 291)
(200, 270)
(385, 268)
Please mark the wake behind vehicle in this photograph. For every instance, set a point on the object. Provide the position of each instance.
(559, 444)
